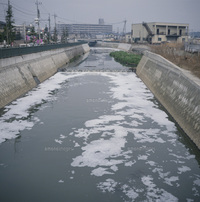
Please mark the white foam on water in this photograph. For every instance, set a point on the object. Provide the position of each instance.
(197, 182)
(129, 192)
(153, 193)
(183, 169)
(105, 154)
(98, 152)
(77, 145)
(58, 141)
(171, 179)
(109, 185)
(103, 120)
(15, 119)
(62, 136)
(100, 172)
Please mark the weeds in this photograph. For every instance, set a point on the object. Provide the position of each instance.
(127, 59)
(175, 53)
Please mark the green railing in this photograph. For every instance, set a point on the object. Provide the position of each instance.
(11, 52)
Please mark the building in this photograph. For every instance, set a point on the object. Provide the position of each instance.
(128, 38)
(85, 29)
(156, 32)
(101, 21)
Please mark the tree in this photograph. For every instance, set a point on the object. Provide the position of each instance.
(64, 35)
(1, 36)
(8, 30)
(55, 35)
(33, 34)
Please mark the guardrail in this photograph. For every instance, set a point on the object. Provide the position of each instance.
(11, 52)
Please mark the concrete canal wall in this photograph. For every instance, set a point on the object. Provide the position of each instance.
(136, 48)
(176, 89)
(121, 46)
(20, 74)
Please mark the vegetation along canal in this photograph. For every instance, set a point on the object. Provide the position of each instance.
(89, 134)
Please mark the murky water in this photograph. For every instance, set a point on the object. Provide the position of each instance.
(94, 136)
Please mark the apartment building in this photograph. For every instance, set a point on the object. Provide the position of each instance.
(89, 29)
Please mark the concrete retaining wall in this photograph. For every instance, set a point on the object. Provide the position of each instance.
(18, 74)
(137, 48)
(121, 46)
(176, 89)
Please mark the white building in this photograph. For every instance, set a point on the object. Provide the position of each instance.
(86, 29)
(156, 32)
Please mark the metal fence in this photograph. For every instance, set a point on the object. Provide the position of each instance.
(11, 52)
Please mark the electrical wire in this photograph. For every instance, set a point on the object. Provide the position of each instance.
(23, 11)
(31, 14)
(21, 8)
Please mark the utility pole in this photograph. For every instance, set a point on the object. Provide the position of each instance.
(55, 30)
(38, 18)
(25, 39)
(55, 19)
(7, 25)
(124, 29)
(49, 38)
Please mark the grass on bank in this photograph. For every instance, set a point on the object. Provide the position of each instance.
(127, 59)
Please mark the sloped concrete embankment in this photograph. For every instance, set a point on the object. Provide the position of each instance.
(176, 89)
(120, 46)
(135, 48)
(20, 74)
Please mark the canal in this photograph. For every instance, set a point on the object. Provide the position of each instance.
(94, 132)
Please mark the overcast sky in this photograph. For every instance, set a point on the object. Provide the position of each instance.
(113, 11)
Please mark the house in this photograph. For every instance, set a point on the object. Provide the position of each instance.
(128, 38)
(158, 32)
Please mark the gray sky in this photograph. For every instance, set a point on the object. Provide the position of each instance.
(113, 11)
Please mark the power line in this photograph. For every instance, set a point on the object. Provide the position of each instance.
(114, 23)
(3, 4)
(45, 9)
(23, 11)
(20, 9)
(66, 19)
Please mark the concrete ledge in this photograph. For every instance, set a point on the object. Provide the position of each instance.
(177, 90)
(18, 74)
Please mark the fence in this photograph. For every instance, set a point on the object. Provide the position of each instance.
(11, 52)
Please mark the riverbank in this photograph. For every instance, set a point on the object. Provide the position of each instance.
(176, 54)
(20, 74)
(176, 89)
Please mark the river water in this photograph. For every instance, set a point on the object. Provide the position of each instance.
(87, 134)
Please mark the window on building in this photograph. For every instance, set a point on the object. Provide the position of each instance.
(159, 39)
(180, 32)
(157, 31)
(168, 31)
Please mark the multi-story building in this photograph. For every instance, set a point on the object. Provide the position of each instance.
(85, 29)
(156, 32)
